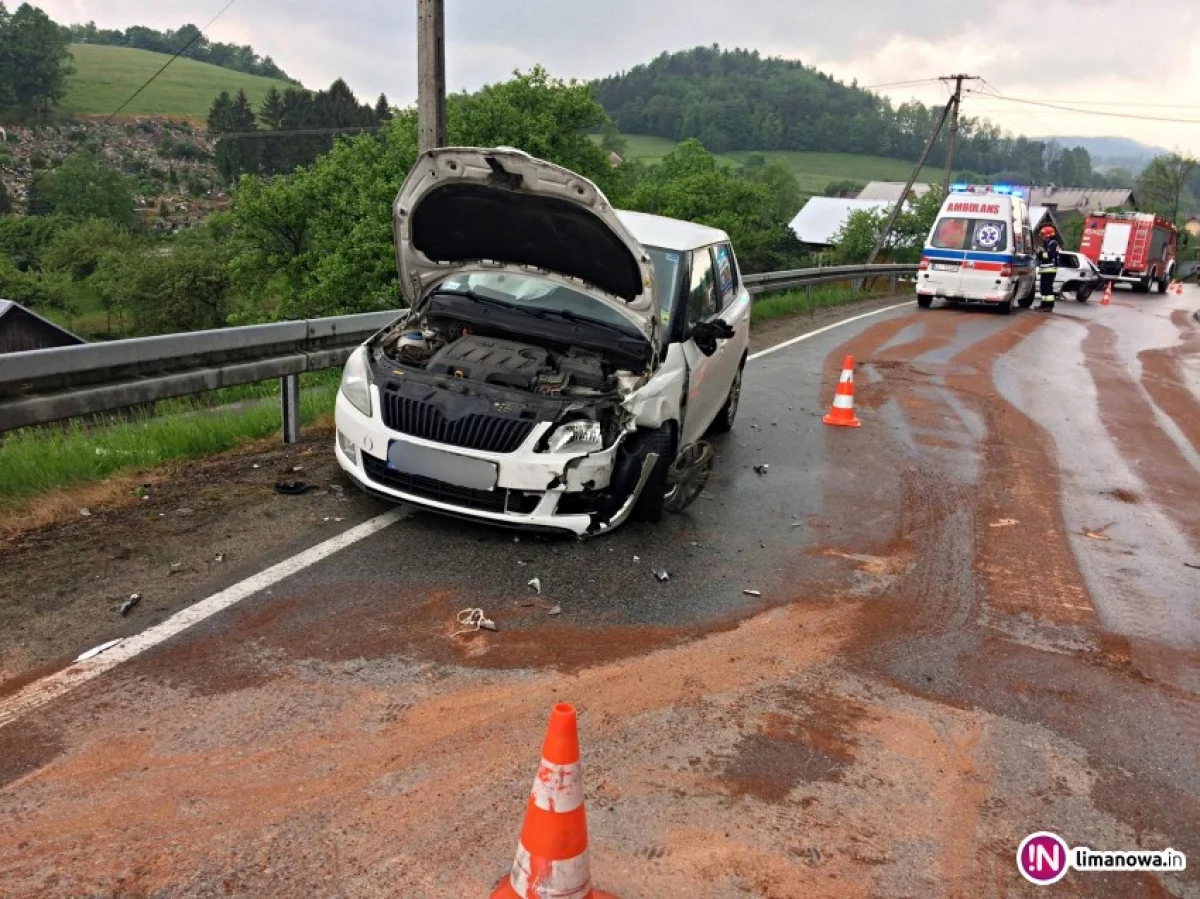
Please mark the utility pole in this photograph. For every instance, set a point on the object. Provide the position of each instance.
(431, 75)
(956, 102)
(891, 223)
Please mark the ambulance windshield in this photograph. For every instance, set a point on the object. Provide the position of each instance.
(981, 235)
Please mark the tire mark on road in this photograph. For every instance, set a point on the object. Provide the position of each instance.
(1163, 378)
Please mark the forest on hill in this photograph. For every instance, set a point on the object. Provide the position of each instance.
(740, 100)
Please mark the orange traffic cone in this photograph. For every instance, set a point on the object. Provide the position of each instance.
(1177, 288)
(842, 412)
(1107, 301)
(552, 854)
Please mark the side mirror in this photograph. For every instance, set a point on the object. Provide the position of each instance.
(706, 334)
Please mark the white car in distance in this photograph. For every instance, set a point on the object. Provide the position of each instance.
(561, 361)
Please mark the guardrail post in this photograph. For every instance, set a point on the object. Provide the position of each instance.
(289, 395)
(812, 310)
(895, 283)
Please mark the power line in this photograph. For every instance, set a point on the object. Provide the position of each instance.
(879, 87)
(199, 34)
(1091, 112)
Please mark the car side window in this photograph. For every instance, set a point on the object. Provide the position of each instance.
(727, 276)
(1068, 260)
(702, 293)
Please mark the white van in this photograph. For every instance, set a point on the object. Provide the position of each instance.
(980, 250)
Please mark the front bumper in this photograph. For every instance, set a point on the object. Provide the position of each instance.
(529, 491)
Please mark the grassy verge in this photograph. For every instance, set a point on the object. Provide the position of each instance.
(796, 302)
(36, 460)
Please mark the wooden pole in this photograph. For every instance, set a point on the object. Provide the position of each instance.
(431, 75)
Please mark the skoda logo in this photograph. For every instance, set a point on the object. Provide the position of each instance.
(502, 407)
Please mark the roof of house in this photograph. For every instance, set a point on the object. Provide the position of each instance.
(1037, 213)
(8, 306)
(890, 190)
(822, 217)
(1081, 199)
(668, 233)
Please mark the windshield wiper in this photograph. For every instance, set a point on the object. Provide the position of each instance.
(489, 301)
(608, 326)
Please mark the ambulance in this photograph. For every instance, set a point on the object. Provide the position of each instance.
(980, 250)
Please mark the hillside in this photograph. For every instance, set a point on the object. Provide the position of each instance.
(813, 171)
(106, 76)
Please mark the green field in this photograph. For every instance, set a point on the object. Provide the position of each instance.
(105, 77)
(813, 171)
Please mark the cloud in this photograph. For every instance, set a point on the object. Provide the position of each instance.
(1062, 49)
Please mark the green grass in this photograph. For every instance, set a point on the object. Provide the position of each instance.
(813, 171)
(796, 302)
(106, 77)
(37, 460)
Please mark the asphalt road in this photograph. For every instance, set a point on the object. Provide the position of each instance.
(975, 619)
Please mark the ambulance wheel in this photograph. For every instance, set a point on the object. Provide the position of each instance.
(924, 302)
(1026, 301)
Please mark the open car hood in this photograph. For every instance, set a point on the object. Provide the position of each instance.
(468, 209)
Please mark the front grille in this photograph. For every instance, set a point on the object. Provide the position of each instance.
(489, 433)
(1110, 267)
(520, 502)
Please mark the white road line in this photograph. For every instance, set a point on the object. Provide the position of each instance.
(810, 334)
(51, 687)
(43, 691)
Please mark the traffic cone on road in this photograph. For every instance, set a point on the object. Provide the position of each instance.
(842, 412)
(1107, 301)
(1177, 288)
(552, 854)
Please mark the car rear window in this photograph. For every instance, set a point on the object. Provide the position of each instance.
(980, 235)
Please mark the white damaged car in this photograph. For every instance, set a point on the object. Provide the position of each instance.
(560, 362)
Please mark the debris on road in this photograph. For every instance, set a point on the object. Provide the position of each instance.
(1092, 535)
(557, 610)
(85, 512)
(96, 650)
(1190, 565)
(761, 469)
(661, 574)
(752, 592)
(220, 557)
(1004, 523)
(536, 584)
(127, 605)
(292, 488)
(472, 620)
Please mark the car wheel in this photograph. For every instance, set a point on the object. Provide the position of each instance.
(924, 302)
(723, 423)
(1083, 292)
(652, 502)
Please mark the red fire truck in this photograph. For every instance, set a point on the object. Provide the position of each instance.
(1135, 247)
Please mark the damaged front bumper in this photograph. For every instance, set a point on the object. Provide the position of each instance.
(543, 491)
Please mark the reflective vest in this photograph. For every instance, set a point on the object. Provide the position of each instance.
(1048, 258)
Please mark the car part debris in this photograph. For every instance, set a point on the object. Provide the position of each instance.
(557, 610)
(688, 476)
(1004, 523)
(220, 557)
(536, 584)
(761, 469)
(85, 512)
(752, 592)
(1092, 535)
(472, 620)
(96, 650)
(292, 488)
(127, 605)
(661, 574)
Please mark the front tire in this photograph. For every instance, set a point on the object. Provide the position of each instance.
(652, 502)
(723, 423)
(1142, 286)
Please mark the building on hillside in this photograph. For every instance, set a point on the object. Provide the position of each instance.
(1065, 202)
(819, 221)
(21, 329)
(891, 190)
(1193, 226)
(1040, 216)
(615, 159)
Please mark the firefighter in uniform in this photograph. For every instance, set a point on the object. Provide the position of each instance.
(1048, 268)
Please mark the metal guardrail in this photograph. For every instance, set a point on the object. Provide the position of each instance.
(43, 386)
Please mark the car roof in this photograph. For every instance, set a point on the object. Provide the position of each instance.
(668, 233)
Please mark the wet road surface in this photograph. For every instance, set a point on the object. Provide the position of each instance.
(976, 621)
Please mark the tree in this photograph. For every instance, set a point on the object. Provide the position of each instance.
(1162, 185)
(6, 205)
(34, 61)
(270, 113)
(844, 188)
(84, 187)
(383, 109)
(75, 250)
(220, 115)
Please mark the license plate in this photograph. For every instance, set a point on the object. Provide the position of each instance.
(450, 468)
(945, 267)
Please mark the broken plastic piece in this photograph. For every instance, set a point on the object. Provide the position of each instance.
(127, 605)
(752, 592)
(96, 650)
(661, 574)
(536, 584)
(292, 488)
(472, 620)
(1004, 523)
(220, 557)
(557, 610)
(1092, 535)
(85, 512)
(761, 469)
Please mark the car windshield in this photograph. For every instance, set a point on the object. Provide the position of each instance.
(534, 292)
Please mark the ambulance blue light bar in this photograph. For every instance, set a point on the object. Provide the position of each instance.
(1003, 190)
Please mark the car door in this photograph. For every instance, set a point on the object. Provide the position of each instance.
(702, 304)
(734, 310)
(1068, 271)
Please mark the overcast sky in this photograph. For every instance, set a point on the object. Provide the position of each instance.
(1111, 55)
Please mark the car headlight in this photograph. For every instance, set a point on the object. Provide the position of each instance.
(576, 436)
(356, 381)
